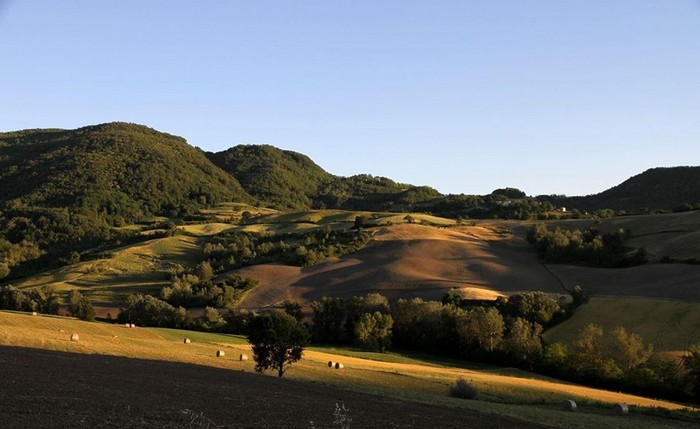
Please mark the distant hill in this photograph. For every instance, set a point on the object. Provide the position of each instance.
(282, 178)
(656, 188)
(290, 180)
(121, 170)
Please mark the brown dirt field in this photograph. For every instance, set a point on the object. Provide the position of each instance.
(40, 388)
(672, 281)
(406, 261)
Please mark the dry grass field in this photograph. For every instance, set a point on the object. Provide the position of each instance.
(411, 260)
(504, 392)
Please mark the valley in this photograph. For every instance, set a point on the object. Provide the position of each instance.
(207, 241)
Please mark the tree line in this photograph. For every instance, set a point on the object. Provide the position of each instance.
(236, 249)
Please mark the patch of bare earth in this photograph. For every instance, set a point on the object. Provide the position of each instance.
(406, 261)
(40, 388)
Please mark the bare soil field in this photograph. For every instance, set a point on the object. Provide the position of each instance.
(40, 388)
(406, 261)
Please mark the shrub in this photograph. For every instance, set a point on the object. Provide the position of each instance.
(462, 389)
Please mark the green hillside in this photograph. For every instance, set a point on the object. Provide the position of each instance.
(289, 180)
(283, 178)
(66, 190)
(118, 169)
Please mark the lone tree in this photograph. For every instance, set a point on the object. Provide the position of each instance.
(278, 340)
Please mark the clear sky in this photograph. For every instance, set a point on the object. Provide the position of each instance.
(560, 96)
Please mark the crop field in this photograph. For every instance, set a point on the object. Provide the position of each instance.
(411, 260)
(669, 325)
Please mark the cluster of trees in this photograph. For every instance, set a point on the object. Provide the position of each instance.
(507, 331)
(364, 320)
(238, 249)
(32, 237)
(42, 299)
(621, 360)
(506, 203)
(80, 307)
(197, 288)
(147, 310)
(45, 300)
(589, 247)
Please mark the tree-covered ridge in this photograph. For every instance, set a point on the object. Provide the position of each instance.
(666, 188)
(290, 180)
(123, 171)
(64, 191)
(282, 178)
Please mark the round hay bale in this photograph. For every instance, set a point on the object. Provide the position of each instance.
(339, 365)
(568, 405)
(243, 357)
(220, 353)
(621, 408)
(187, 341)
(331, 364)
(128, 325)
(74, 337)
(34, 313)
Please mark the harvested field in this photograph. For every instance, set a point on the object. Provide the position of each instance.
(405, 261)
(40, 388)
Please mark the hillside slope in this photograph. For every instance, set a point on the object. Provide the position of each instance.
(63, 192)
(289, 180)
(115, 168)
(409, 260)
(283, 178)
(661, 188)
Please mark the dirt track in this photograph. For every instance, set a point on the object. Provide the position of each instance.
(41, 388)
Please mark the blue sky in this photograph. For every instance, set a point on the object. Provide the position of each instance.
(567, 97)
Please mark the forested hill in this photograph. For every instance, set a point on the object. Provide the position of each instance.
(656, 188)
(286, 179)
(120, 170)
(63, 192)
(282, 178)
